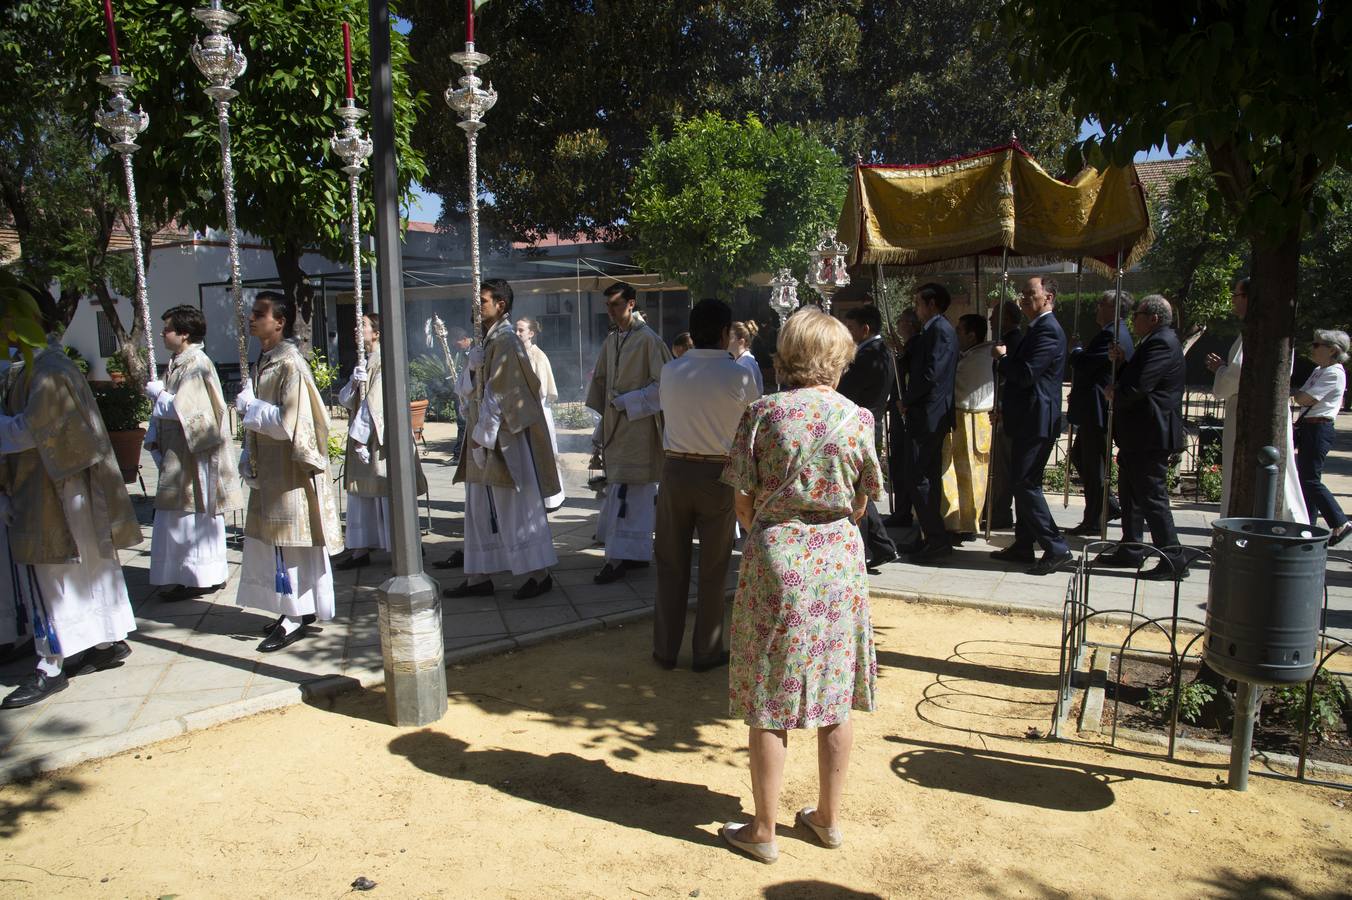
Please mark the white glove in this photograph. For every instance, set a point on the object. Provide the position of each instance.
(363, 453)
(244, 398)
(154, 388)
(476, 358)
(359, 375)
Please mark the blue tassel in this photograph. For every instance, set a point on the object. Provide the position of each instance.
(283, 584)
(42, 630)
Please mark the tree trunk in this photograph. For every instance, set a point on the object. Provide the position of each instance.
(130, 345)
(1265, 380)
(286, 255)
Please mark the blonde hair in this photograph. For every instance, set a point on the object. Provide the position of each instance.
(745, 331)
(532, 324)
(814, 349)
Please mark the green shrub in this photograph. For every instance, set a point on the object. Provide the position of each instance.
(1191, 698)
(324, 374)
(1210, 476)
(1326, 711)
(572, 415)
(122, 406)
(337, 446)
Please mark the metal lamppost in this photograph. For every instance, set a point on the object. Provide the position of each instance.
(827, 272)
(409, 603)
(784, 295)
(471, 101)
(124, 125)
(217, 57)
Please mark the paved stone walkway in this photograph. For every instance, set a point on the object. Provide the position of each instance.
(194, 663)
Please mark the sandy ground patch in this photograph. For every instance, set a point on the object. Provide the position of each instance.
(579, 769)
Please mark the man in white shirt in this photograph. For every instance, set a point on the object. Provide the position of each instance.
(967, 450)
(703, 395)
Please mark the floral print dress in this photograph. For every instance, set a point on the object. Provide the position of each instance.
(802, 642)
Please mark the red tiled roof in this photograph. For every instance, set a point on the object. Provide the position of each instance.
(1156, 176)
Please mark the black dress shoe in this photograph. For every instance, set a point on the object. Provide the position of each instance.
(279, 638)
(14, 652)
(709, 664)
(931, 554)
(533, 588)
(39, 687)
(482, 589)
(455, 561)
(96, 660)
(881, 559)
(1165, 571)
(304, 620)
(667, 664)
(1015, 553)
(1339, 536)
(183, 592)
(1083, 528)
(612, 571)
(1116, 559)
(354, 562)
(1050, 563)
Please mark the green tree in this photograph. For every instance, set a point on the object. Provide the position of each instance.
(721, 200)
(1196, 255)
(1262, 88)
(1326, 263)
(289, 186)
(582, 85)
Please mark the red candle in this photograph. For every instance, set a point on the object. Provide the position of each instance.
(347, 55)
(469, 21)
(112, 30)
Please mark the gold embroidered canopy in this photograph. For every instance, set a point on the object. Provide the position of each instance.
(992, 201)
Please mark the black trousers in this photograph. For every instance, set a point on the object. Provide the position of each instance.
(1144, 494)
(1000, 505)
(898, 467)
(691, 501)
(1091, 445)
(925, 466)
(878, 545)
(1314, 440)
(1033, 522)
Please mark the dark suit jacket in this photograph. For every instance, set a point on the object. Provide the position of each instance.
(870, 378)
(932, 367)
(1091, 371)
(1031, 403)
(1148, 408)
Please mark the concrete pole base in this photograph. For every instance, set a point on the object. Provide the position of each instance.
(411, 644)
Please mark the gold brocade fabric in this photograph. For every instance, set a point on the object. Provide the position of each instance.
(912, 215)
(200, 433)
(629, 361)
(371, 478)
(966, 460)
(517, 391)
(71, 442)
(292, 503)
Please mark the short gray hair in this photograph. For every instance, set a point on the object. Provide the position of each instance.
(1156, 305)
(1338, 340)
(1112, 295)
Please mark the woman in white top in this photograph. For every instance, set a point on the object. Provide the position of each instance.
(1321, 397)
(743, 333)
(528, 329)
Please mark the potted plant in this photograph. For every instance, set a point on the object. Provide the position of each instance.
(117, 368)
(123, 408)
(417, 403)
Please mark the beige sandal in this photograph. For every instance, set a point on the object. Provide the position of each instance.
(830, 837)
(767, 852)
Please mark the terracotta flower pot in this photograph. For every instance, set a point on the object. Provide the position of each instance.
(117, 377)
(417, 412)
(127, 449)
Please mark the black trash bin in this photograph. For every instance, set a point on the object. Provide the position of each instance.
(1264, 600)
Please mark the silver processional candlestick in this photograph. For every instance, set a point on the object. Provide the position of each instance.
(471, 101)
(221, 62)
(354, 148)
(124, 125)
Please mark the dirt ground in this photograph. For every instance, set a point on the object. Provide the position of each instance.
(579, 769)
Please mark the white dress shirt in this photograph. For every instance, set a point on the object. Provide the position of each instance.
(703, 396)
(1326, 385)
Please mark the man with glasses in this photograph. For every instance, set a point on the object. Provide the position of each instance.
(1030, 411)
(624, 392)
(1148, 428)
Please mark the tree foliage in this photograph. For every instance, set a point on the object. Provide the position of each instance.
(721, 200)
(1263, 87)
(289, 186)
(583, 85)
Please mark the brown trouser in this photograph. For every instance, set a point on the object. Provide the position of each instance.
(691, 501)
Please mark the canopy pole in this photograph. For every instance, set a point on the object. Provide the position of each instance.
(978, 302)
(1070, 427)
(880, 288)
(1112, 379)
(1000, 332)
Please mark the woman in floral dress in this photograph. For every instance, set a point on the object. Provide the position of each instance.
(803, 466)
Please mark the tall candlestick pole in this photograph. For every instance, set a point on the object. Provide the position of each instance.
(222, 62)
(471, 101)
(469, 23)
(124, 124)
(112, 32)
(347, 58)
(354, 149)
